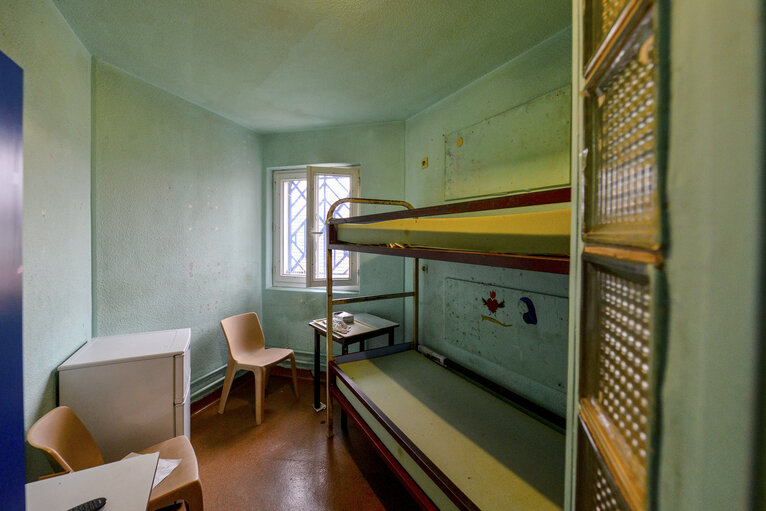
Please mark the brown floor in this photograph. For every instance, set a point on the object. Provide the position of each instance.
(287, 462)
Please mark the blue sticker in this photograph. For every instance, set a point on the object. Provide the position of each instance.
(529, 317)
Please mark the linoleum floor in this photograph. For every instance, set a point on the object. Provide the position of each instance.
(288, 463)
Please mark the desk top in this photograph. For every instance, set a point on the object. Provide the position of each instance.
(126, 485)
(364, 324)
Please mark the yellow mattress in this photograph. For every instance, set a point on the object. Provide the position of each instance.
(498, 456)
(538, 233)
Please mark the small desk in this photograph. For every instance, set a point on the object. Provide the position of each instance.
(126, 485)
(365, 326)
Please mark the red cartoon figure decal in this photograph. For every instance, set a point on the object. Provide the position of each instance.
(492, 304)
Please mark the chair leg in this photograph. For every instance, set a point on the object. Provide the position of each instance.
(260, 395)
(193, 497)
(295, 376)
(267, 373)
(231, 370)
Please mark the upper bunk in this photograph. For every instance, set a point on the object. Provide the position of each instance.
(537, 240)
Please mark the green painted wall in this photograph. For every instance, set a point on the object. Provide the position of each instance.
(715, 191)
(57, 235)
(379, 148)
(542, 69)
(176, 216)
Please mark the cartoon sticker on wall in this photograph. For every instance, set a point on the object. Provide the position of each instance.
(492, 305)
(529, 317)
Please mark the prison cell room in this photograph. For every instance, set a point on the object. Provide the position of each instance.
(378, 255)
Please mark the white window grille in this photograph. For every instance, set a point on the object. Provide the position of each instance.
(302, 197)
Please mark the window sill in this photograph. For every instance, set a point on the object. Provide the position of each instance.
(313, 290)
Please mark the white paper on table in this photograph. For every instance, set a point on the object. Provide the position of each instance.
(164, 468)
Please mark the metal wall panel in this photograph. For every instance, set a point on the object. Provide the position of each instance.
(12, 469)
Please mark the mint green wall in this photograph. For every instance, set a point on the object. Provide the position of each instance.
(176, 216)
(379, 148)
(56, 228)
(544, 68)
(715, 193)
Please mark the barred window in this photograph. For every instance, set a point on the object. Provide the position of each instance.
(302, 197)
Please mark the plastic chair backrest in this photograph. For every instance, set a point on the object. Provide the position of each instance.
(65, 438)
(243, 333)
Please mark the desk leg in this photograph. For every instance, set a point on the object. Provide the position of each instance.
(391, 338)
(317, 405)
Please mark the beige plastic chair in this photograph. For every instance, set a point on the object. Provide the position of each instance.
(244, 337)
(63, 436)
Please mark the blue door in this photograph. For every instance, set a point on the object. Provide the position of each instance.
(12, 467)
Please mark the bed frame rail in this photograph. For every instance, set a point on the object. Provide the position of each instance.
(547, 264)
(358, 299)
(553, 196)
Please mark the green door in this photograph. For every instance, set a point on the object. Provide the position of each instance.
(620, 145)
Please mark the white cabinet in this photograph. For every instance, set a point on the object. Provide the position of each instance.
(131, 391)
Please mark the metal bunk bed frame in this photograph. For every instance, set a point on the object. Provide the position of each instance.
(550, 264)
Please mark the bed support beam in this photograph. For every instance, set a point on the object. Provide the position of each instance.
(415, 301)
(372, 298)
(328, 335)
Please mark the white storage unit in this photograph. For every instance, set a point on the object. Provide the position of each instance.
(131, 391)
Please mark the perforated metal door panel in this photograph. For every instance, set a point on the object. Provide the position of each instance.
(596, 490)
(599, 17)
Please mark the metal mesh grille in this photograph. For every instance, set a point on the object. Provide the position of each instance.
(610, 10)
(328, 189)
(623, 337)
(597, 491)
(600, 17)
(604, 495)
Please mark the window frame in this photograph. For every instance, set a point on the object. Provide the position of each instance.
(309, 173)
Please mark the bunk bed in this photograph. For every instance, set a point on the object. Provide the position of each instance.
(453, 438)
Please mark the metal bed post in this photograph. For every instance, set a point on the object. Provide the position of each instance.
(330, 357)
(415, 303)
(329, 239)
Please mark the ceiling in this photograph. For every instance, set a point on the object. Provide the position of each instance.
(279, 65)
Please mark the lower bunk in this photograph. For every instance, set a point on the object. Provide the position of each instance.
(451, 443)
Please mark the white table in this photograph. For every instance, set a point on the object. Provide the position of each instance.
(125, 484)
